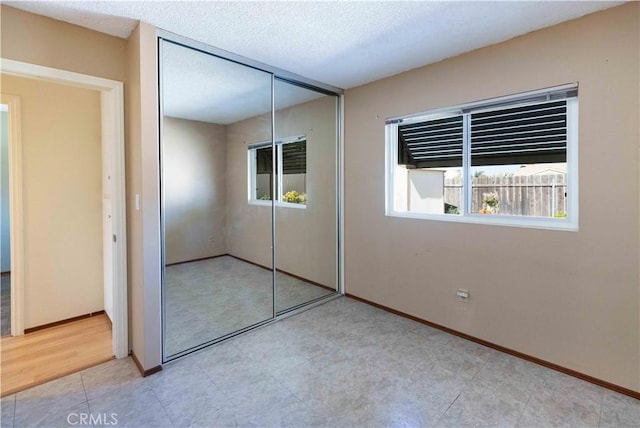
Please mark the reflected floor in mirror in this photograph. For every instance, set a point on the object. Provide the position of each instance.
(210, 298)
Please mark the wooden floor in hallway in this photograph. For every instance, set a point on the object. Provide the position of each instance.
(47, 354)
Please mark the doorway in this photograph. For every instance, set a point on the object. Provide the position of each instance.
(112, 199)
(5, 218)
(62, 229)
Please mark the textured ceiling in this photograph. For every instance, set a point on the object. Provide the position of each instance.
(202, 87)
(342, 43)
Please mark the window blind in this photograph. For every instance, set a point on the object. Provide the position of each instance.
(531, 133)
(294, 158)
(431, 144)
(535, 133)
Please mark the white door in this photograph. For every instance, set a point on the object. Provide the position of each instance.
(107, 254)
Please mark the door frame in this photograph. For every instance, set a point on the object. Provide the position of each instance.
(15, 207)
(113, 184)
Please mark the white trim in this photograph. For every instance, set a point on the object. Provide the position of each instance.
(112, 99)
(466, 165)
(495, 220)
(280, 168)
(286, 140)
(23, 69)
(16, 228)
(390, 159)
(267, 203)
(572, 162)
(251, 177)
(458, 109)
(291, 205)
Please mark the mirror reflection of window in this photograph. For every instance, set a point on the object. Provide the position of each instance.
(305, 213)
(291, 171)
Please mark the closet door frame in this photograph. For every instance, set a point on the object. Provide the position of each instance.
(282, 75)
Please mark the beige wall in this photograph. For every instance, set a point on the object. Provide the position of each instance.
(133, 160)
(62, 185)
(195, 193)
(305, 238)
(38, 40)
(143, 221)
(248, 226)
(571, 298)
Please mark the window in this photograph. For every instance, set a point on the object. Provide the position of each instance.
(290, 175)
(511, 160)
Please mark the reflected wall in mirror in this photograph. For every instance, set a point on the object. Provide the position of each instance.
(306, 131)
(218, 258)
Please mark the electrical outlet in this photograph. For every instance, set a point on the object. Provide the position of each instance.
(463, 295)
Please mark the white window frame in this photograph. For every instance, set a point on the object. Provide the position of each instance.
(252, 166)
(570, 223)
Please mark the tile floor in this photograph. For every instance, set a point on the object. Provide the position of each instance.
(210, 298)
(341, 364)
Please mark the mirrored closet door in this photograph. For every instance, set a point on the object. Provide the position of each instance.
(306, 130)
(249, 196)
